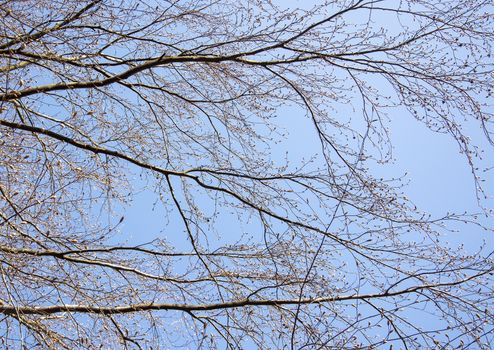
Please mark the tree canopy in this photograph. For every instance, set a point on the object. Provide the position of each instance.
(187, 99)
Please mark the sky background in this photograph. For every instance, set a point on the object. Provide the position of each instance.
(439, 177)
(439, 180)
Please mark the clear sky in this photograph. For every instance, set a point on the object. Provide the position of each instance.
(348, 69)
(439, 177)
(439, 180)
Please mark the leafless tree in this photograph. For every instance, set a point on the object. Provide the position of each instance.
(103, 99)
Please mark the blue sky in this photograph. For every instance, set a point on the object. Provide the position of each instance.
(439, 180)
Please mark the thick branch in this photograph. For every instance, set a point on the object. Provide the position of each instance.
(109, 310)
